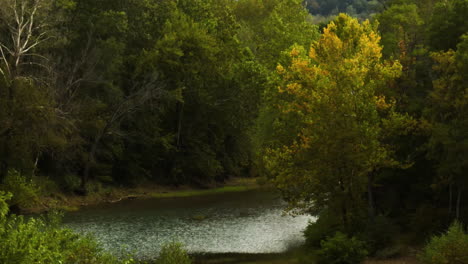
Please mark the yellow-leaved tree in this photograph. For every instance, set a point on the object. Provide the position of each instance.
(326, 121)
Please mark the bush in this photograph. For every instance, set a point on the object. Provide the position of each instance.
(340, 249)
(70, 182)
(326, 225)
(427, 220)
(173, 253)
(448, 248)
(25, 191)
(380, 235)
(41, 240)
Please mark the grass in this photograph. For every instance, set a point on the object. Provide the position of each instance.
(113, 194)
(402, 260)
(190, 193)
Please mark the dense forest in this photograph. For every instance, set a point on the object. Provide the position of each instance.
(360, 118)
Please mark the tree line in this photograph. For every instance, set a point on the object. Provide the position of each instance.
(367, 127)
(127, 91)
(357, 117)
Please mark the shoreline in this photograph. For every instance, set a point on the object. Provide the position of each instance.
(113, 194)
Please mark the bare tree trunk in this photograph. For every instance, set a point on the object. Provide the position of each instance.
(450, 199)
(179, 123)
(458, 203)
(35, 164)
(370, 195)
(4, 165)
(89, 162)
(344, 210)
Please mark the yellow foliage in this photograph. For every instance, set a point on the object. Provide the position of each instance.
(332, 112)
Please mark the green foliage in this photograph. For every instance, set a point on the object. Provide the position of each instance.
(426, 220)
(275, 26)
(401, 29)
(70, 182)
(25, 191)
(4, 197)
(330, 120)
(447, 24)
(449, 247)
(324, 9)
(380, 234)
(173, 253)
(340, 249)
(325, 225)
(41, 240)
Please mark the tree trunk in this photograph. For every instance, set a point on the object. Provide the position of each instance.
(450, 199)
(370, 195)
(5, 166)
(179, 123)
(458, 203)
(90, 161)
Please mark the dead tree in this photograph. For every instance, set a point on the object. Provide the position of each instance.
(27, 30)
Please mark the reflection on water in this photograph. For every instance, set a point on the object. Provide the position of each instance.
(248, 222)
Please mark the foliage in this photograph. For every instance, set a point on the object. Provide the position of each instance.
(330, 119)
(447, 115)
(4, 197)
(401, 29)
(355, 8)
(340, 249)
(41, 240)
(122, 92)
(447, 24)
(25, 191)
(325, 225)
(380, 234)
(449, 247)
(173, 253)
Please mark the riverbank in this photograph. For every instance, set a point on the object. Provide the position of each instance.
(113, 194)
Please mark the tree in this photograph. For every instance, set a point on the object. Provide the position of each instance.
(330, 120)
(400, 26)
(275, 27)
(448, 24)
(448, 116)
(29, 122)
(27, 28)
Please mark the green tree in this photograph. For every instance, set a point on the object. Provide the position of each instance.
(275, 27)
(448, 116)
(330, 119)
(448, 24)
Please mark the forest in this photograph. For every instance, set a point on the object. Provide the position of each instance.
(355, 111)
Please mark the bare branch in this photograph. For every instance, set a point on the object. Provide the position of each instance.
(26, 31)
(5, 61)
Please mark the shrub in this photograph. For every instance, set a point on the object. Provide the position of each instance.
(390, 252)
(380, 234)
(448, 248)
(173, 253)
(340, 249)
(25, 191)
(326, 225)
(41, 240)
(71, 182)
(427, 220)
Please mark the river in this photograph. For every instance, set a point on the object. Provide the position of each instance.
(245, 222)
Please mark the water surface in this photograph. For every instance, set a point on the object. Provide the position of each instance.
(246, 222)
